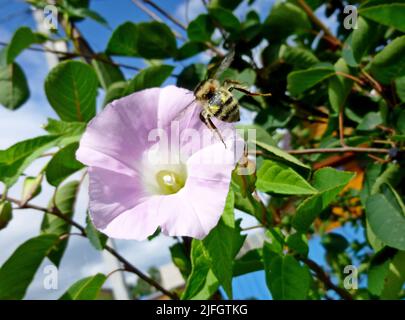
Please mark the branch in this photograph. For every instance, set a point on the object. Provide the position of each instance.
(331, 150)
(324, 277)
(71, 55)
(166, 14)
(127, 265)
(311, 15)
(154, 16)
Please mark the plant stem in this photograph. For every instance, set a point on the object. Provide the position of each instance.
(324, 277)
(331, 150)
(311, 15)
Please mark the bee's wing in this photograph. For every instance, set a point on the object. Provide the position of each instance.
(183, 111)
(216, 71)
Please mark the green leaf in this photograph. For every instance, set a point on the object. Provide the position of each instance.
(63, 164)
(225, 18)
(19, 270)
(278, 178)
(14, 90)
(285, 19)
(150, 77)
(94, 15)
(298, 242)
(62, 128)
(31, 188)
(227, 4)
(222, 244)
(189, 49)
(285, 277)
(71, 89)
(85, 289)
(400, 86)
(281, 155)
(299, 58)
(22, 38)
(389, 13)
(107, 73)
(212, 258)
(6, 213)
(389, 63)
(202, 283)
(392, 175)
(124, 40)
(115, 91)
(302, 80)
(16, 158)
(395, 278)
(370, 121)
(191, 76)
(96, 238)
(386, 217)
(360, 41)
(330, 182)
(334, 243)
(251, 261)
(339, 86)
(200, 29)
(64, 201)
(180, 259)
(157, 41)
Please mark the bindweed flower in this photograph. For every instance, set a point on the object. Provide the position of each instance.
(152, 165)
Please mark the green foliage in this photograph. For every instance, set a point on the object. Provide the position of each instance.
(388, 13)
(64, 203)
(212, 258)
(329, 183)
(78, 82)
(6, 213)
(14, 90)
(16, 158)
(18, 271)
(85, 289)
(280, 179)
(63, 164)
(286, 278)
(96, 238)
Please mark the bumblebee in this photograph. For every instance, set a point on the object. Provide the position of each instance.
(217, 99)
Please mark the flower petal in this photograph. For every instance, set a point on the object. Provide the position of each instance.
(137, 223)
(198, 206)
(111, 194)
(115, 139)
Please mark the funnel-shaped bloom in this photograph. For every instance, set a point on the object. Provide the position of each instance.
(152, 165)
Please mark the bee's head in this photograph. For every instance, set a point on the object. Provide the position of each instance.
(206, 89)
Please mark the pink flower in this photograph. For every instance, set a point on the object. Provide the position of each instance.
(152, 165)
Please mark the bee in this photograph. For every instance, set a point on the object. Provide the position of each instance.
(217, 100)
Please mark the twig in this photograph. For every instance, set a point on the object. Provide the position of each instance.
(75, 55)
(324, 277)
(349, 76)
(253, 227)
(166, 14)
(127, 265)
(331, 150)
(154, 16)
(373, 82)
(318, 22)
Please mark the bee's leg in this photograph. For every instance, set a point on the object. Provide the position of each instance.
(236, 85)
(208, 122)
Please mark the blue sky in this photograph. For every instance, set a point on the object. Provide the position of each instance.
(80, 259)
